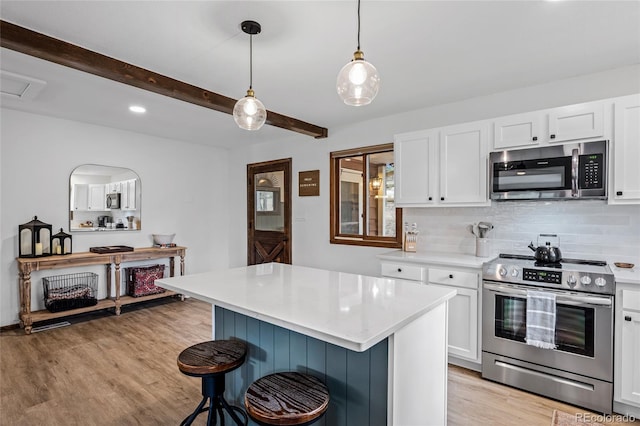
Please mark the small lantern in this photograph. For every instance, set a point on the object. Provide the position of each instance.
(61, 243)
(34, 239)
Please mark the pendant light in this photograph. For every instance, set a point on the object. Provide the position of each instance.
(358, 81)
(249, 113)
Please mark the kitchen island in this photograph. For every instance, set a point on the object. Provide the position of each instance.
(379, 344)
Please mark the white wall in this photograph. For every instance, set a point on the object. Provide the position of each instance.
(181, 193)
(311, 214)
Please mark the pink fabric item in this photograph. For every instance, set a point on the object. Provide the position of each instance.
(141, 280)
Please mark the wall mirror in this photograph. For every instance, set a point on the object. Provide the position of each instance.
(104, 198)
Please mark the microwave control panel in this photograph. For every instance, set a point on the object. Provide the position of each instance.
(591, 171)
(552, 277)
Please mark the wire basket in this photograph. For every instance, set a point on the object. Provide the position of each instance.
(70, 291)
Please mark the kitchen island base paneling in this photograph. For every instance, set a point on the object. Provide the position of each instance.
(398, 381)
(357, 381)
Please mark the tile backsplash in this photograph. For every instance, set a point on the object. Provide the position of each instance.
(586, 229)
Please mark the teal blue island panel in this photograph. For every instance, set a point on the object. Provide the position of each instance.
(357, 381)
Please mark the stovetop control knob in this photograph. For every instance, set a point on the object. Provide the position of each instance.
(515, 272)
(586, 280)
(572, 280)
(601, 282)
(502, 271)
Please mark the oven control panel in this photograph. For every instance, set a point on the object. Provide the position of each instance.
(572, 276)
(551, 277)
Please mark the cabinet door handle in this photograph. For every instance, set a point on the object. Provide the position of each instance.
(627, 317)
(552, 136)
(441, 198)
(399, 269)
(618, 193)
(430, 198)
(451, 276)
(535, 138)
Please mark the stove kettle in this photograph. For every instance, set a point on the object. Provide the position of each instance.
(546, 253)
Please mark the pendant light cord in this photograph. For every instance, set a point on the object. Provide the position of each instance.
(358, 24)
(251, 61)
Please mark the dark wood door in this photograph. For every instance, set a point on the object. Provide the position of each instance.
(269, 212)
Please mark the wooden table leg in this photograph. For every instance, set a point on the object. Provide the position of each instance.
(117, 299)
(182, 264)
(172, 265)
(108, 280)
(25, 299)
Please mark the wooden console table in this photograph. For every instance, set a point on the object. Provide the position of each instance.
(27, 265)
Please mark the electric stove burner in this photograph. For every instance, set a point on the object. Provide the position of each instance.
(557, 264)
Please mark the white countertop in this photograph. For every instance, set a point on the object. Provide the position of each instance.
(447, 259)
(628, 276)
(625, 275)
(348, 310)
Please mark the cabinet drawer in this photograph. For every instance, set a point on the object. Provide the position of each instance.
(453, 277)
(631, 300)
(407, 272)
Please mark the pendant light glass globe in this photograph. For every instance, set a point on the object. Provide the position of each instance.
(358, 81)
(249, 113)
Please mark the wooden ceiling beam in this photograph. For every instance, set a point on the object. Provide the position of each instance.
(60, 52)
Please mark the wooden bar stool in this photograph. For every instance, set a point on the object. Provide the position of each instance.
(288, 398)
(211, 361)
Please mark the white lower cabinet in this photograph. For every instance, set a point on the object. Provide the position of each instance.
(627, 350)
(464, 314)
(464, 321)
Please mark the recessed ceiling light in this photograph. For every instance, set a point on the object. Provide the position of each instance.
(137, 109)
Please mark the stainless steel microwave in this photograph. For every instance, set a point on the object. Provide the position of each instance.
(113, 200)
(570, 171)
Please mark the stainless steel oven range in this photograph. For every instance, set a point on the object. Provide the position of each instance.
(579, 370)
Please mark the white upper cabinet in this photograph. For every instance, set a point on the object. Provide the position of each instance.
(573, 122)
(518, 130)
(415, 172)
(443, 166)
(88, 197)
(114, 187)
(463, 164)
(80, 197)
(128, 196)
(97, 197)
(626, 151)
(584, 121)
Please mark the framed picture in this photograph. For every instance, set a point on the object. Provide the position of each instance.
(267, 201)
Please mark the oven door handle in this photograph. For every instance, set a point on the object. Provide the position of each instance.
(573, 300)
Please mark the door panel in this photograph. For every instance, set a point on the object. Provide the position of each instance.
(269, 212)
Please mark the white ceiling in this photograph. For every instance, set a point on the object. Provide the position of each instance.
(426, 52)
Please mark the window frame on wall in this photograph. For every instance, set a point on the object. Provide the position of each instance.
(360, 239)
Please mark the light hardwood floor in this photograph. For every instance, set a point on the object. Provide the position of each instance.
(122, 370)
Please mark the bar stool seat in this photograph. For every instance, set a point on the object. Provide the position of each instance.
(287, 398)
(211, 361)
